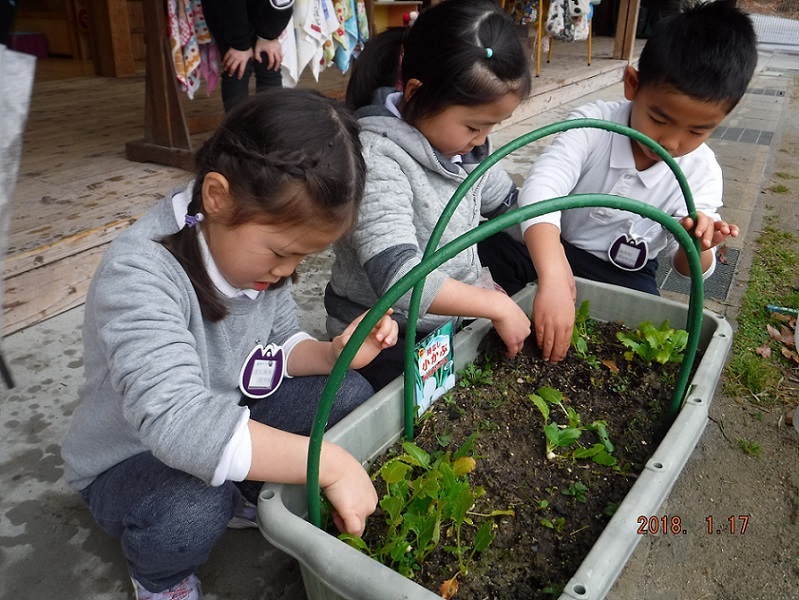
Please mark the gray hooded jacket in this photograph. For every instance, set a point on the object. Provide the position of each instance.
(408, 184)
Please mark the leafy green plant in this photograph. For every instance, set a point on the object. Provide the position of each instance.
(576, 490)
(473, 375)
(429, 499)
(556, 524)
(565, 435)
(582, 330)
(654, 344)
(583, 335)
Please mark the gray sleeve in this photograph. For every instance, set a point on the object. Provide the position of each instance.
(387, 237)
(498, 193)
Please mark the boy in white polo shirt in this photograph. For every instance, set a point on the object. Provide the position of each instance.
(693, 71)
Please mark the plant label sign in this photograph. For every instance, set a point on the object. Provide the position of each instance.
(434, 370)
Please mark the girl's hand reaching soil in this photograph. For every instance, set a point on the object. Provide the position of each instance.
(348, 488)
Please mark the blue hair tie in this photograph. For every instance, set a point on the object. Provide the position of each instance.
(489, 53)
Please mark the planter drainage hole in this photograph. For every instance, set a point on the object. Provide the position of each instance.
(697, 400)
(657, 465)
(579, 590)
(267, 495)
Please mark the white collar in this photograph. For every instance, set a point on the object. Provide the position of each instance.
(621, 154)
(180, 203)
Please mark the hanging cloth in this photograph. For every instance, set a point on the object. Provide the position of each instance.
(289, 66)
(187, 32)
(347, 33)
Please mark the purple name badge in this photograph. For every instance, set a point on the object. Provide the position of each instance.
(629, 253)
(262, 372)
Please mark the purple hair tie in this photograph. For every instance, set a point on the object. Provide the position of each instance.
(191, 221)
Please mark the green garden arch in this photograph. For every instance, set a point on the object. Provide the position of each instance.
(433, 257)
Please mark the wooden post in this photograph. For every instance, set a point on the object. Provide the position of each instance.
(112, 51)
(166, 134)
(626, 24)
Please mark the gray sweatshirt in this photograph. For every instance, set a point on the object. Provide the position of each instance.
(159, 377)
(408, 184)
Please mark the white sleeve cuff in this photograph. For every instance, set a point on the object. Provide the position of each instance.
(237, 457)
(289, 344)
(710, 270)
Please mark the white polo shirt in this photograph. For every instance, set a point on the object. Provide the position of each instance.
(592, 160)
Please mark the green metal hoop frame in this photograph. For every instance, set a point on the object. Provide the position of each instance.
(434, 257)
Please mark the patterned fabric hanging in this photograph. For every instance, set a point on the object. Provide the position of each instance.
(193, 52)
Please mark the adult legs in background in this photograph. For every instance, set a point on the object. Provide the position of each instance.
(266, 79)
(234, 88)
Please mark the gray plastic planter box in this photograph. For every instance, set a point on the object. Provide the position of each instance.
(332, 570)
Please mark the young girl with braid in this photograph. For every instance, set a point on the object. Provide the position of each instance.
(198, 379)
(426, 98)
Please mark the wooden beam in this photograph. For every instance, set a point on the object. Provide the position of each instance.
(626, 25)
(112, 50)
(166, 134)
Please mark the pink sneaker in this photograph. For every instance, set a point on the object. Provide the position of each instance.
(188, 589)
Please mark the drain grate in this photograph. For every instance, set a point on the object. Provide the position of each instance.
(717, 286)
(765, 92)
(745, 135)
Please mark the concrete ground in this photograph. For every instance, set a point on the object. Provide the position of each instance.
(50, 547)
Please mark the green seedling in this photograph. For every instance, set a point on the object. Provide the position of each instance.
(428, 499)
(583, 334)
(473, 375)
(582, 330)
(654, 344)
(561, 435)
(556, 524)
(576, 490)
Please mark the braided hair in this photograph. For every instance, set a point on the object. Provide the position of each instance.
(289, 156)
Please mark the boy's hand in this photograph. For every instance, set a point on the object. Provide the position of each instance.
(383, 335)
(710, 232)
(553, 315)
(273, 51)
(348, 488)
(512, 324)
(235, 62)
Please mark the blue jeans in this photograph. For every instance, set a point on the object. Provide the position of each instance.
(168, 520)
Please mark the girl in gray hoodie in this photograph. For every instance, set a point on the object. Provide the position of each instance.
(426, 98)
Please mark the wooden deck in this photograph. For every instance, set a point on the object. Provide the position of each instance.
(76, 190)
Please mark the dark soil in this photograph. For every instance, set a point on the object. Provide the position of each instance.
(528, 560)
